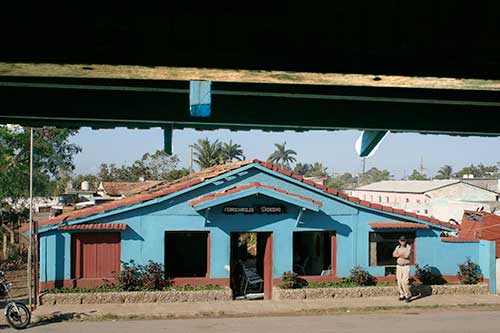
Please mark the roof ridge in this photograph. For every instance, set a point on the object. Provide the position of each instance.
(242, 187)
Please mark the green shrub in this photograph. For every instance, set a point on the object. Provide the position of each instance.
(291, 280)
(152, 276)
(360, 277)
(469, 272)
(17, 257)
(142, 277)
(194, 288)
(109, 288)
(129, 277)
(426, 275)
(344, 283)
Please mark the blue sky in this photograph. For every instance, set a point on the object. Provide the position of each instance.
(400, 153)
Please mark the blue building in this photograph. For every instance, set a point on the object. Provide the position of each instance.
(194, 226)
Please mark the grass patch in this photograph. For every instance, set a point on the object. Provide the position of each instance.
(345, 283)
(106, 288)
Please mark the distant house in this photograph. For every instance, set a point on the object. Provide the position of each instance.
(441, 199)
(492, 184)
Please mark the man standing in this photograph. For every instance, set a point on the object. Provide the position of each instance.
(402, 253)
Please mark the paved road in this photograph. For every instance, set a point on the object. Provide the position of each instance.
(409, 322)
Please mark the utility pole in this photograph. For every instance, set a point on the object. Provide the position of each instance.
(30, 247)
(364, 164)
(421, 165)
(190, 159)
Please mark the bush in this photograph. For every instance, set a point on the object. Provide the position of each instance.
(426, 275)
(139, 277)
(129, 277)
(17, 257)
(469, 272)
(152, 276)
(344, 283)
(110, 288)
(291, 280)
(360, 277)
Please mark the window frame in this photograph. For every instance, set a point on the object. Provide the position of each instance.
(410, 234)
(333, 250)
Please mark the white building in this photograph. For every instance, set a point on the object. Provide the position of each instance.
(442, 199)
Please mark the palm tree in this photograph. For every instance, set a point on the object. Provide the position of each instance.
(282, 156)
(318, 170)
(231, 151)
(445, 172)
(207, 154)
(302, 168)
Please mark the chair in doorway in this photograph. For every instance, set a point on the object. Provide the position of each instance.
(251, 282)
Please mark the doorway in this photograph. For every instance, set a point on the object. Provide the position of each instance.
(251, 265)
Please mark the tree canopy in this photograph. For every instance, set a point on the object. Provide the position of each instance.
(282, 156)
(445, 172)
(416, 175)
(479, 171)
(374, 175)
(311, 170)
(207, 154)
(52, 157)
(231, 151)
(156, 166)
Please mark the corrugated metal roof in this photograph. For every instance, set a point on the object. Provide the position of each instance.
(407, 186)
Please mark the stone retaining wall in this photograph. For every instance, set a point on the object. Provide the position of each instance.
(138, 297)
(315, 293)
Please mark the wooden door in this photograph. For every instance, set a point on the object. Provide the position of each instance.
(95, 255)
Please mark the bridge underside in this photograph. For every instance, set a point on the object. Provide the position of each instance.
(111, 96)
(273, 72)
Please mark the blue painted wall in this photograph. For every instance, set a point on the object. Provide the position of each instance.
(143, 239)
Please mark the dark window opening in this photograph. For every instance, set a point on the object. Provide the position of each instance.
(186, 254)
(312, 253)
(382, 244)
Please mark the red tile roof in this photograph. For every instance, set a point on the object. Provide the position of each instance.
(478, 225)
(398, 225)
(96, 226)
(166, 188)
(128, 188)
(239, 188)
(459, 240)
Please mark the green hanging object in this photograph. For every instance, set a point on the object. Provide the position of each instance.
(368, 142)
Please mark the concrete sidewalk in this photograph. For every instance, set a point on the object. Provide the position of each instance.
(256, 308)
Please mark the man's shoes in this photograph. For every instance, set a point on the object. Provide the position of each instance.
(402, 298)
(407, 299)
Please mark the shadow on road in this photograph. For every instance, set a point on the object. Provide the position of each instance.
(58, 317)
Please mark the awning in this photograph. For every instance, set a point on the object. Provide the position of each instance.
(94, 226)
(241, 191)
(398, 225)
